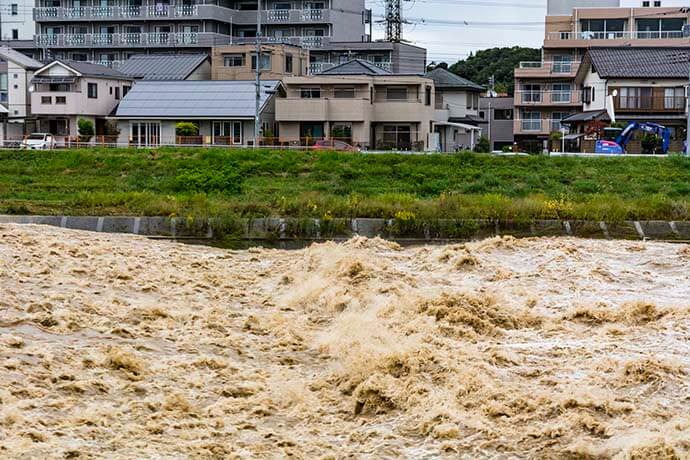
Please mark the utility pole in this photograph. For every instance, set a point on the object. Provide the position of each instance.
(687, 129)
(257, 111)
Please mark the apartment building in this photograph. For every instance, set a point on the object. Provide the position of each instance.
(400, 58)
(65, 91)
(16, 20)
(238, 62)
(359, 103)
(114, 30)
(546, 91)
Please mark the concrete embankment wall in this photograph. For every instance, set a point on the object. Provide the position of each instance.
(313, 229)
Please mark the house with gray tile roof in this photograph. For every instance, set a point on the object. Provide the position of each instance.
(646, 84)
(167, 67)
(222, 110)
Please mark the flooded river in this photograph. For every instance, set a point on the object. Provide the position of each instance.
(119, 347)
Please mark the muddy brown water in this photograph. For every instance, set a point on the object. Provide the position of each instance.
(115, 346)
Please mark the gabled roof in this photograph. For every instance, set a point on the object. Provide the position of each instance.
(162, 66)
(640, 62)
(9, 54)
(444, 79)
(356, 67)
(86, 69)
(194, 99)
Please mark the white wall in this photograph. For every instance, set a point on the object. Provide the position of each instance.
(600, 90)
(23, 21)
(18, 98)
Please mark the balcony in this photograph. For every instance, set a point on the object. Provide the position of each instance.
(310, 42)
(134, 40)
(574, 39)
(536, 126)
(318, 67)
(166, 12)
(650, 104)
(548, 97)
(545, 69)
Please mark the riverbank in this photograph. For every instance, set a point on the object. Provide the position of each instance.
(199, 184)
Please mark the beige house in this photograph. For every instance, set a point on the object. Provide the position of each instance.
(546, 91)
(62, 92)
(16, 71)
(238, 62)
(360, 104)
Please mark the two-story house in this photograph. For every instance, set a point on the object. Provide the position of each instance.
(16, 71)
(646, 84)
(359, 103)
(546, 92)
(457, 110)
(62, 92)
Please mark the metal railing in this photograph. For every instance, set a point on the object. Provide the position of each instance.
(557, 67)
(548, 96)
(542, 125)
(318, 67)
(617, 35)
(132, 39)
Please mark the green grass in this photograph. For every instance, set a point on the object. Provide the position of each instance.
(247, 183)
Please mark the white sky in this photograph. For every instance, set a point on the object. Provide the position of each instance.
(474, 25)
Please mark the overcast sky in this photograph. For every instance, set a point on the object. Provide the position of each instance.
(468, 25)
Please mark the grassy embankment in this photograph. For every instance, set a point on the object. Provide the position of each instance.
(245, 183)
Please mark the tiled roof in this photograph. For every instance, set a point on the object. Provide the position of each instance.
(640, 62)
(89, 69)
(189, 99)
(162, 66)
(446, 79)
(9, 54)
(356, 67)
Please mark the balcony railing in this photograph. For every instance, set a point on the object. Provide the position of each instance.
(132, 39)
(318, 67)
(304, 42)
(552, 67)
(537, 126)
(613, 35)
(650, 103)
(547, 97)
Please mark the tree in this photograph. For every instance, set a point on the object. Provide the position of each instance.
(499, 62)
(86, 130)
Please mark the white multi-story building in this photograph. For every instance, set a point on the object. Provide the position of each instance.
(16, 20)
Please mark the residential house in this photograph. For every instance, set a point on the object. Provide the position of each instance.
(457, 110)
(167, 67)
(359, 103)
(496, 121)
(546, 92)
(16, 72)
(647, 84)
(65, 91)
(238, 62)
(114, 30)
(222, 110)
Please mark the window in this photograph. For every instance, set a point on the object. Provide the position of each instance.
(598, 29)
(92, 90)
(561, 93)
(117, 92)
(531, 121)
(427, 96)
(233, 60)
(503, 114)
(125, 90)
(282, 6)
(265, 62)
(227, 132)
(15, 34)
(531, 93)
(397, 137)
(562, 64)
(288, 63)
(396, 93)
(15, 9)
(144, 134)
(342, 131)
(60, 100)
(635, 98)
(344, 93)
(46, 100)
(481, 114)
(660, 28)
(556, 118)
(310, 93)
(674, 98)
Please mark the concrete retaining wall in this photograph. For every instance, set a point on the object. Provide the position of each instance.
(314, 229)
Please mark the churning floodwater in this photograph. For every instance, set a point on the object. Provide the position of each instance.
(116, 346)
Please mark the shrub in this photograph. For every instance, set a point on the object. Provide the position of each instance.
(186, 128)
(225, 180)
(483, 145)
(86, 130)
